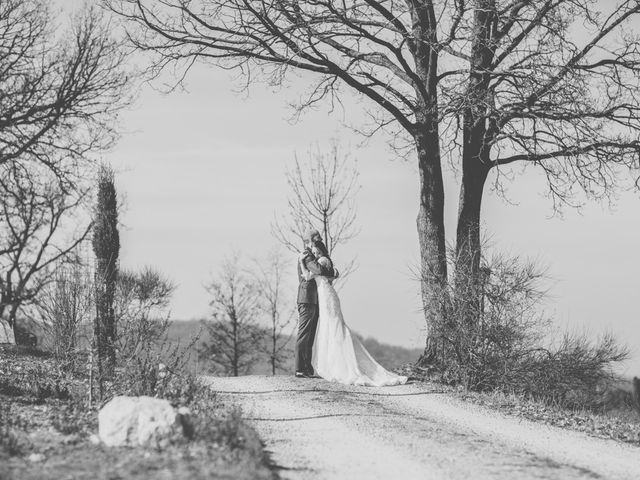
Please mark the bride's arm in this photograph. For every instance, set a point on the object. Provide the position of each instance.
(312, 268)
(308, 273)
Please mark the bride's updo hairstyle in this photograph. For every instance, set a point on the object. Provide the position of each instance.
(319, 244)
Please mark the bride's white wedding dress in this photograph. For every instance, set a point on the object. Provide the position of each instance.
(338, 355)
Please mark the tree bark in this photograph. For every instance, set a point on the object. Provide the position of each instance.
(105, 327)
(476, 161)
(468, 243)
(430, 223)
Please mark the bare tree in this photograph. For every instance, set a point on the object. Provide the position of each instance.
(386, 52)
(141, 302)
(65, 306)
(38, 229)
(106, 247)
(61, 91)
(323, 191)
(269, 280)
(553, 85)
(234, 335)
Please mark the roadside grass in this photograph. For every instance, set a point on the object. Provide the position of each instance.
(47, 431)
(613, 418)
(617, 423)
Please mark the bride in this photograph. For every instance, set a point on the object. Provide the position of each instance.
(338, 355)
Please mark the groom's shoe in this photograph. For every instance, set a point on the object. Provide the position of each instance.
(302, 375)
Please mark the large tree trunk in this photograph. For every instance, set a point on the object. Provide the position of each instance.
(433, 255)
(468, 243)
(433, 262)
(468, 278)
(475, 164)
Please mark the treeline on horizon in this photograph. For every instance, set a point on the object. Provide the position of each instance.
(184, 331)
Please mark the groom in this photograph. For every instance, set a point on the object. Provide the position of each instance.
(308, 306)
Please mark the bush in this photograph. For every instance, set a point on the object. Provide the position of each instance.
(64, 307)
(494, 337)
(141, 303)
(36, 383)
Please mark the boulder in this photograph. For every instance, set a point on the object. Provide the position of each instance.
(146, 421)
(6, 333)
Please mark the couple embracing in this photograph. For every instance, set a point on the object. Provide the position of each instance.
(326, 346)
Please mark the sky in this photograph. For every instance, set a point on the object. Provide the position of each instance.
(202, 173)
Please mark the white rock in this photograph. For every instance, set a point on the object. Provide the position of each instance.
(6, 333)
(36, 457)
(138, 421)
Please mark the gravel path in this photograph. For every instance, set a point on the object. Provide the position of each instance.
(315, 429)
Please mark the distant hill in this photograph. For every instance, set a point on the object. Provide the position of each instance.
(389, 356)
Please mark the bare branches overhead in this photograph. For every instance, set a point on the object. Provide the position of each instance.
(372, 46)
(36, 232)
(61, 91)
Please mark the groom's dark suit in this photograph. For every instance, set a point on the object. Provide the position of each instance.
(308, 313)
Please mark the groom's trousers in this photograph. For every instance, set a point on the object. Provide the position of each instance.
(307, 323)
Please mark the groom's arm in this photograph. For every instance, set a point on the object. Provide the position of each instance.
(316, 268)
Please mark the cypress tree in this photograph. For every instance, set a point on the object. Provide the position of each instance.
(106, 247)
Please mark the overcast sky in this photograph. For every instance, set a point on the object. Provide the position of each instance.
(203, 174)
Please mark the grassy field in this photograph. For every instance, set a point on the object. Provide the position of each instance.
(47, 431)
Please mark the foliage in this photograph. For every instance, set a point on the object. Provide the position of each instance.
(158, 372)
(106, 247)
(141, 302)
(227, 428)
(221, 445)
(507, 346)
(36, 383)
(65, 307)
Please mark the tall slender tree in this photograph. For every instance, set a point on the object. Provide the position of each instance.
(106, 247)
(323, 191)
(235, 339)
(276, 305)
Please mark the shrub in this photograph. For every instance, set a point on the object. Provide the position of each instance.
(37, 383)
(64, 307)
(158, 370)
(495, 337)
(141, 302)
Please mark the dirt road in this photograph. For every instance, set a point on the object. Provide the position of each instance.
(320, 430)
